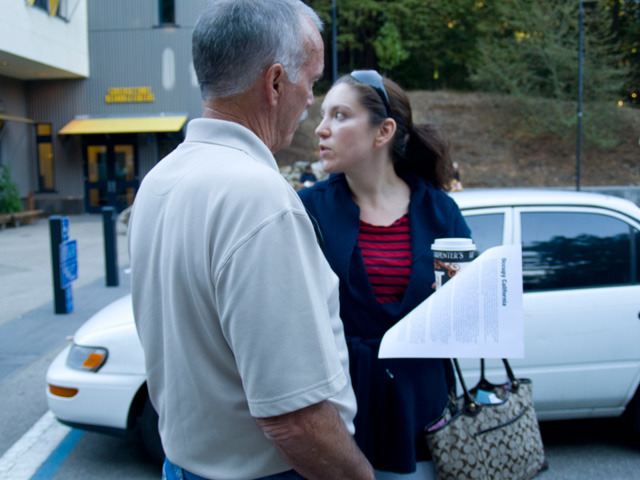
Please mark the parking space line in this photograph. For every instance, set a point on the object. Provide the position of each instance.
(25, 457)
(59, 455)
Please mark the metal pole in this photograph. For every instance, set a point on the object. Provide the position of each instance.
(110, 246)
(334, 49)
(59, 233)
(580, 54)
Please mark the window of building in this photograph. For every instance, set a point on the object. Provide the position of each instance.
(45, 157)
(55, 8)
(576, 249)
(167, 12)
(43, 4)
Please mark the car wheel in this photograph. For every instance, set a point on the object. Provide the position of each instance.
(148, 424)
(633, 413)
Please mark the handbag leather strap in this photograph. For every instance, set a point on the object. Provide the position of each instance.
(468, 399)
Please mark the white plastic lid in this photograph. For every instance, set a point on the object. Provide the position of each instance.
(453, 244)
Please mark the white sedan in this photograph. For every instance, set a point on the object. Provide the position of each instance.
(581, 279)
(98, 382)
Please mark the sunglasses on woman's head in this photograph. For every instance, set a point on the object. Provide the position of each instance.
(373, 79)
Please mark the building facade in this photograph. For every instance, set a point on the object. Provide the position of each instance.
(81, 134)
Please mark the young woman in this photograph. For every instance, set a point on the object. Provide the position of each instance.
(378, 213)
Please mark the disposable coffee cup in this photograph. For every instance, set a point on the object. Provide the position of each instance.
(450, 255)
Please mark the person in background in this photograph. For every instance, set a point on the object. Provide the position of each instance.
(379, 212)
(235, 305)
(456, 184)
(307, 178)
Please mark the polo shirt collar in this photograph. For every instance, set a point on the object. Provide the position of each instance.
(231, 135)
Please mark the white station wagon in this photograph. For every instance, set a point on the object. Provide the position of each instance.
(581, 279)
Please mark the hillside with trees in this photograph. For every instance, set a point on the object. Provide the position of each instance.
(527, 47)
(500, 79)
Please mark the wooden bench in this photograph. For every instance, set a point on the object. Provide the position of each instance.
(25, 217)
(5, 219)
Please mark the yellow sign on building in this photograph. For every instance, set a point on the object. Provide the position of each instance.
(129, 95)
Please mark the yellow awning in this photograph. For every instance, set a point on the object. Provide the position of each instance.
(15, 118)
(88, 126)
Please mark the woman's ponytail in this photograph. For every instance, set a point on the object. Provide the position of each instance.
(427, 155)
(418, 148)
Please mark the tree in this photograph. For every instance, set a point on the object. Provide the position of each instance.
(535, 55)
(625, 26)
(519, 47)
(419, 43)
(388, 47)
(441, 37)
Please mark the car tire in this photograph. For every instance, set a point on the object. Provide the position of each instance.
(148, 424)
(633, 413)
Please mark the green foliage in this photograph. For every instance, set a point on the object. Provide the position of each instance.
(535, 56)
(388, 47)
(536, 53)
(441, 38)
(419, 43)
(539, 116)
(9, 196)
(519, 47)
(625, 20)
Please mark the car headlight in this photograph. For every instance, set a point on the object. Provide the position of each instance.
(86, 358)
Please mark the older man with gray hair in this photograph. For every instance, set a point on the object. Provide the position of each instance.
(235, 305)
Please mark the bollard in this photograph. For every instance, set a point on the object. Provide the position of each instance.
(59, 234)
(110, 246)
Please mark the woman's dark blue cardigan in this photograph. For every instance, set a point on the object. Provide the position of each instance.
(397, 398)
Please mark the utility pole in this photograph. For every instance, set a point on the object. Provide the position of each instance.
(591, 4)
(334, 49)
(580, 55)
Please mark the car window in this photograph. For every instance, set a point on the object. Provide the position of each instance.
(574, 249)
(486, 230)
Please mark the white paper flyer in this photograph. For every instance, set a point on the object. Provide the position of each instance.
(476, 314)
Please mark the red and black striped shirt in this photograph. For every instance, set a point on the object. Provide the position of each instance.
(386, 251)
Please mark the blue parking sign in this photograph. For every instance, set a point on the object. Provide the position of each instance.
(68, 299)
(64, 224)
(68, 263)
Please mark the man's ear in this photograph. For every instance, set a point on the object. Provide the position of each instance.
(274, 79)
(386, 131)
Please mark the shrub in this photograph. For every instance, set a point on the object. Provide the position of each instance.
(9, 196)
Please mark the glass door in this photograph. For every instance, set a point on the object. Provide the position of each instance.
(96, 184)
(111, 176)
(125, 184)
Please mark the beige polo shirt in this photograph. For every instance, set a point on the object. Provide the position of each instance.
(236, 307)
